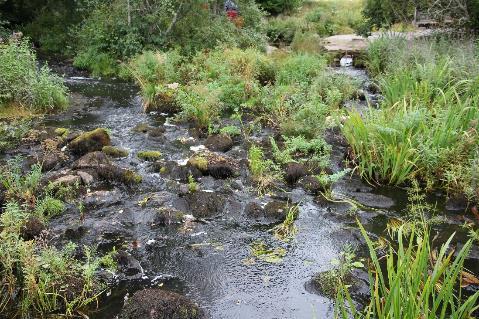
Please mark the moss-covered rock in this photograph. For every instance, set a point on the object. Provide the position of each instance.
(114, 151)
(62, 132)
(90, 141)
(149, 156)
(219, 142)
(159, 304)
(215, 165)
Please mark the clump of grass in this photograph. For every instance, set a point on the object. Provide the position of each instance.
(37, 279)
(417, 281)
(429, 115)
(287, 229)
(263, 171)
(192, 184)
(11, 133)
(22, 84)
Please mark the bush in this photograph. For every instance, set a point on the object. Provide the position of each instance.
(189, 27)
(23, 84)
(279, 6)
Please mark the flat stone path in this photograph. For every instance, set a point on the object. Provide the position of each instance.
(352, 43)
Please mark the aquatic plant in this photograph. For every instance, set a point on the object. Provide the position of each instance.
(263, 170)
(418, 281)
(192, 184)
(287, 229)
(429, 115)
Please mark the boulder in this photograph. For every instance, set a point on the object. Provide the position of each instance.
(99, 164)
(159, 304)
(86, 178)
(205, 204)
(215, 165)
(219, 143)
(294, 171)
(90, 141)
(67, 181)
(311, 184)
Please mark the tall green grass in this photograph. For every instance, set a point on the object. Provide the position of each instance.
(428, 116)
(22, 83)
(413, 280)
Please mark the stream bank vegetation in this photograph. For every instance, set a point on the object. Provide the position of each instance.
(295, 94)
(38, 279)
(428, 116)
(418, 280)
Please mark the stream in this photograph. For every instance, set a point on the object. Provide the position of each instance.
(206, 252)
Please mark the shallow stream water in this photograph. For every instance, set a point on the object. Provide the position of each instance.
(211, 260)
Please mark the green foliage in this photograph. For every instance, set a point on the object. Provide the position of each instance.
(263, 170)
(23, 84)
(12, 133)
(279, 6)
(192, 185)
(287, 229)
(37, 279)
(415, 282)
(428, 116)
(315, 152)
(107, 36)
(300, 69)
(231, 130)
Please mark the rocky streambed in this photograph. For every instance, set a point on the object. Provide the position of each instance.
(209, 252)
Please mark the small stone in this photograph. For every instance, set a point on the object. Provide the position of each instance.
(86, 178)
(67, 180)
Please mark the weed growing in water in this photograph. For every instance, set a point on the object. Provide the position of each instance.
(192, 184)
(262, 170)
(287, 229)
(418, 282)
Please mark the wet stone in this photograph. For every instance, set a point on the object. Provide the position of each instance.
(205, 204)
(75, 232)
(159, 304)
(67, 181)
(219, 143)
(102, 198)
(311, 185)
(128, 265)
(167, 216)
(86, 178)
(294, 171)
(90, 141)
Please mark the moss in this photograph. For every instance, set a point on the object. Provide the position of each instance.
(327, 283)
(115, 151)
(163, 170)
(130, 177)
(62, 131)
(199, 162)
(91, 141)
(149, 155)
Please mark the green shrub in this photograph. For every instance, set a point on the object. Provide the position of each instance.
(308, 121)
(279, 6)
(281, 30)
(300, 69)
(23, 84)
